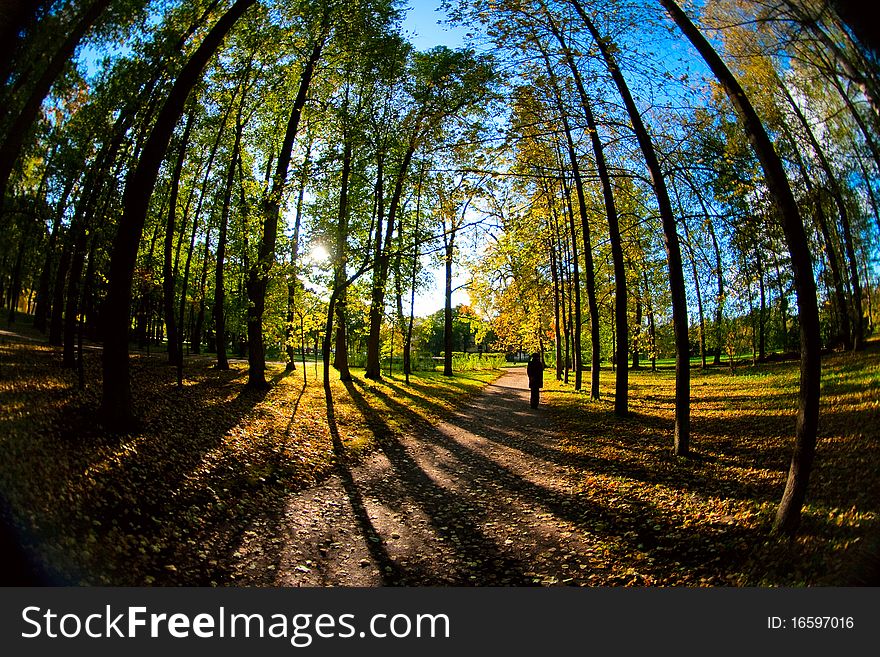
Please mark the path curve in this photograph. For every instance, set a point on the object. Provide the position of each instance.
(484, 498)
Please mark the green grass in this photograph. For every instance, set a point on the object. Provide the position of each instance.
(712, 513)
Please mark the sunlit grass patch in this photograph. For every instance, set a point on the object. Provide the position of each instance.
(711, 514)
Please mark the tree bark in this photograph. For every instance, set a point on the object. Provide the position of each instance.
(575, 293)
(381, 266)
(116, 398)
(858, 331)
(293, 280)
(340, 269)
(447, 306)
(407, 346)
(621, 385)
(789, 512)
(670, 235)
(168, 281)
(258, 278)
(41, 312)
(219, 268)
(19, 126)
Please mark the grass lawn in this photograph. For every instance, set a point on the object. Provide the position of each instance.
(706, 519)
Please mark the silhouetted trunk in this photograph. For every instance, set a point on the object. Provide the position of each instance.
(789, 512)
(15, 284)
(258, 278)
(192, 243)
(71, 305)
(116, 399)
(195, 341)
(858, 331)
(17, 17)
(381, 266)
(56, 323)
(407, 344)
(447, 306)
(373, 365)
(670, 235)
(340, 360)
(636, 342)
(293, 281)
(219, 274)
(621, 387)
(168, 269)
(762, 309)
(41, 312)
(340, 357)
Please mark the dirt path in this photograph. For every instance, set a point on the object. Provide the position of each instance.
(483, 499)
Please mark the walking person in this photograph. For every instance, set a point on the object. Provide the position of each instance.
(535, 370)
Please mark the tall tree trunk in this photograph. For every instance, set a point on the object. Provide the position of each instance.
(652, 329)
(407, 346)
(373, 365)
(844, 333)
(381, 264)
(789, 512)
(192, 243)
(195, 341)
(762, 309)
(670, 235)
(258, 277)
(56, 323)
(858, 331)
(696, 275)
(293, 281)
(168, 282)
(340, 271)
(15, 284)
(116, 398)
(621, 386)
(17, 17)
(719, 300)
(447, 306)
(41, 313)
(71, 306)
(557, 310)
(575, 294)
(219, 268)
(589, 270)
(637, 340)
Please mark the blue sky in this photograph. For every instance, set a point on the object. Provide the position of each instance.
(422, 29)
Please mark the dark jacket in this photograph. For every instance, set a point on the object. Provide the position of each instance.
(535, 371)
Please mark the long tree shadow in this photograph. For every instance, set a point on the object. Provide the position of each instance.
(389, 570)
(478, 555)
(637, 523)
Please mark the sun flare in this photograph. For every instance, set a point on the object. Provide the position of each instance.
(319, 253)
